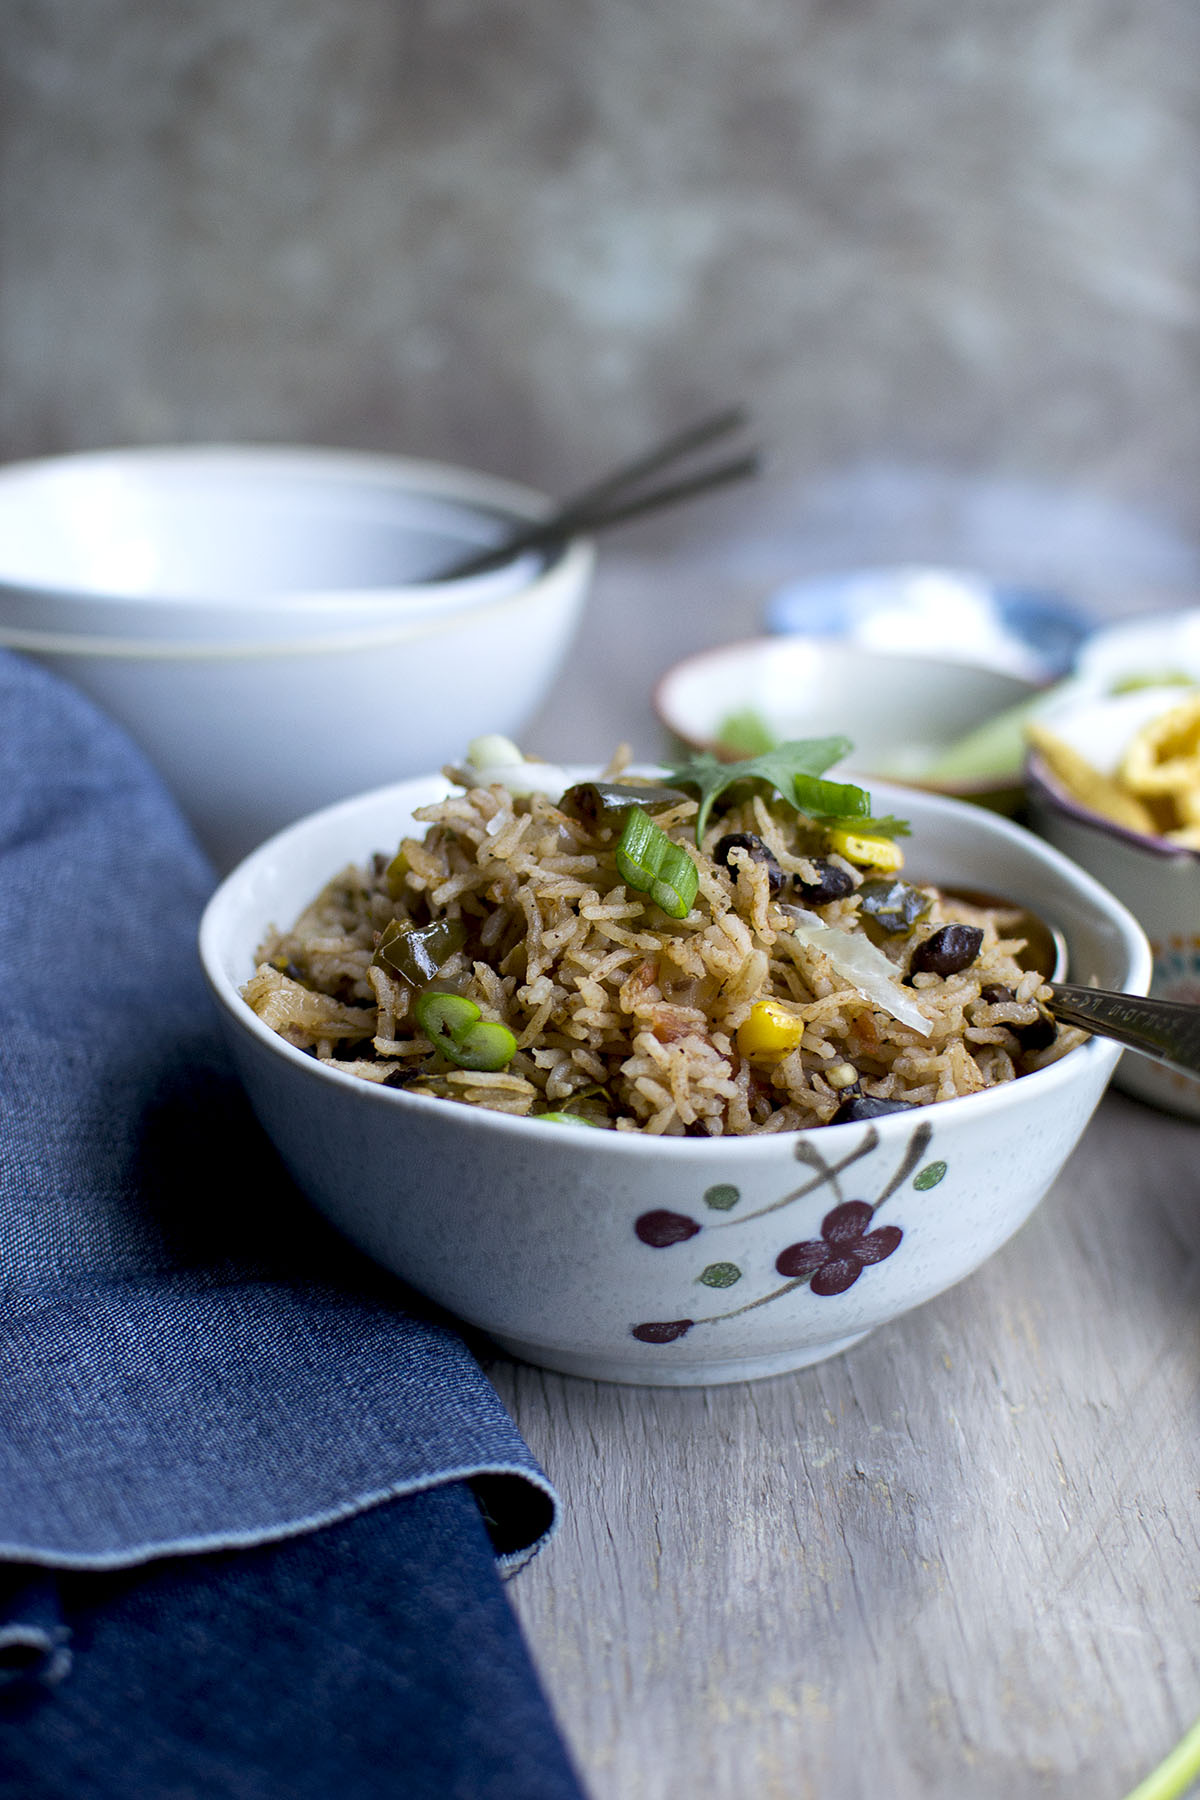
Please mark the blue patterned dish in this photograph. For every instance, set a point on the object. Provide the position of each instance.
(937, 612)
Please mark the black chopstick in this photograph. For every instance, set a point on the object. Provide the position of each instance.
(738, 470)
(673, 449)
(601, 504)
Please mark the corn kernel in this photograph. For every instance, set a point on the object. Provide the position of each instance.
(770, 1031)
(842, 1075)
(868, 852)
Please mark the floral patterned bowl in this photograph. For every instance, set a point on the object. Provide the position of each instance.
(670, 1261)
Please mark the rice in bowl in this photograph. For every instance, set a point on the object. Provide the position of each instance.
(807, 981)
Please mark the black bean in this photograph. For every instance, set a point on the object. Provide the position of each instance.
(865, 1106)
(756, 850)
(996, 994)
(1036, 1036)
(832, 883)
(947, 951)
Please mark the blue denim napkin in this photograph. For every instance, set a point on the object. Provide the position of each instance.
(196, 1374)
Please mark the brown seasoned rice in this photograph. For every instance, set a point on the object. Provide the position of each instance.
(622, 1015)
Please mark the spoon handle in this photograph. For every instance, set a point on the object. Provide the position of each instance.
(1168, 1031)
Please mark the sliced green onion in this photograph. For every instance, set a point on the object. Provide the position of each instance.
(1174, 1776)
(455, 1026)
(443, 1015)
(831, 799)
(651, 864)
(417, 952)
(566, 1118)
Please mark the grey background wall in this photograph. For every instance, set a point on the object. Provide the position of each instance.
(948, 251)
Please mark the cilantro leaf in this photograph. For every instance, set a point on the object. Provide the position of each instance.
(779, 768)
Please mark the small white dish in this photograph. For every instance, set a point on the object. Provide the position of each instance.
(902, 712)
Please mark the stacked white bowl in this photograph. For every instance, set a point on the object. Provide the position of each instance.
(268, 623)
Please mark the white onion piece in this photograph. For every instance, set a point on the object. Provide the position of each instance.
(497, 762)
(525, 778)
(860, 963)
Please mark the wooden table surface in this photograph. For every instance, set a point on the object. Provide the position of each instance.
(960, 1561)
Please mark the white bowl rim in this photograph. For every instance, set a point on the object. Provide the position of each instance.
(1093, 659)
(1006, 1095)
(442, 480)
(571, 564)
(450, 482)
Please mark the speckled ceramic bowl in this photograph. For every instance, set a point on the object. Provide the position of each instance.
(669, 1261)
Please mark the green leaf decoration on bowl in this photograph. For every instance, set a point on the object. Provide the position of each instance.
(720, 1275)
(722, 1196)
(929, 1176)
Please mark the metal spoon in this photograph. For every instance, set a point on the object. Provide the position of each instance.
(1167, 1031)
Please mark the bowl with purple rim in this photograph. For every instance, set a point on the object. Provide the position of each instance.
(669, 1261)
(1159, 881)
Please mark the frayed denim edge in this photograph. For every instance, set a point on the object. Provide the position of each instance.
(508, 1563)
